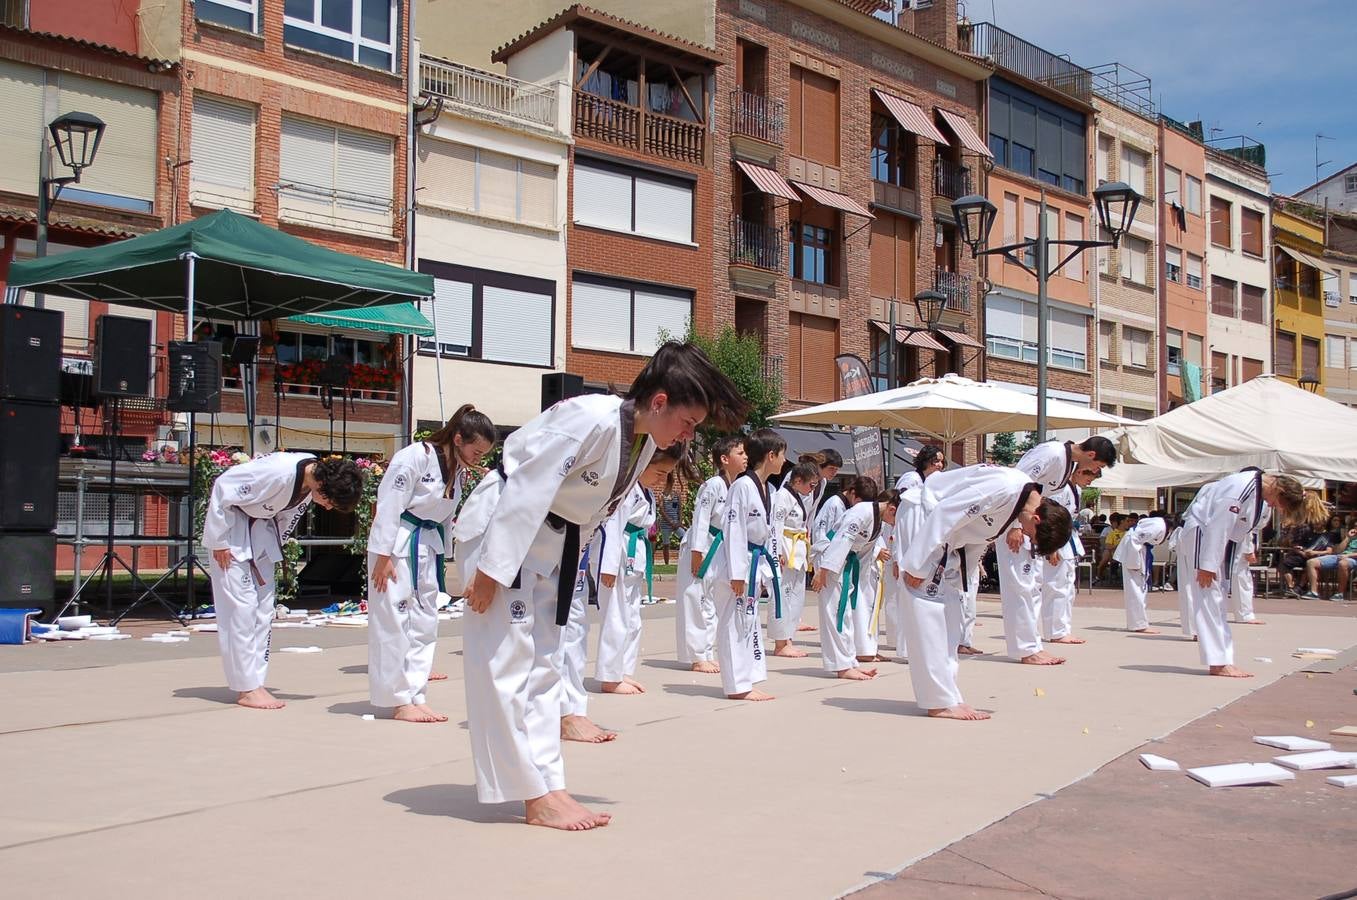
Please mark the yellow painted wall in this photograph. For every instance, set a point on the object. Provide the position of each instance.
(1298, 313)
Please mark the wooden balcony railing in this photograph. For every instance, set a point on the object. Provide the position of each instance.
(619, 123)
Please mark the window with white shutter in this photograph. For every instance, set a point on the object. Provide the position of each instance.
(516, 326)
(450, 312)
(622, 199)
(602, 197)
(335, 177)
(494, 185)
(626, 317)
(659, 315)
(491, 316)
(537, 194)
(664, 209)
(222, 172)
(445, 175)
(1074, 231)
(1134, 259)
(1137, 345)
(1335, 351)
(1133, 165)
(21, 89)
(124, 171)
(1068, 339)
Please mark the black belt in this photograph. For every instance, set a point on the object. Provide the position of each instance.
(570, 560)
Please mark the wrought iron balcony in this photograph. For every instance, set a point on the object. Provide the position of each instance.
(489, 92)
(759, 117)
(950, 180)
(756, 244)
(956, 287)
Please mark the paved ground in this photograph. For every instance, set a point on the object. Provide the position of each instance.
(129, 772)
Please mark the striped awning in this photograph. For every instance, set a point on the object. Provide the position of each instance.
(963, 130)
(912, 337)
(910, 116)
(767, 180)
(834, 200)
(1308, 260)
(960, 338)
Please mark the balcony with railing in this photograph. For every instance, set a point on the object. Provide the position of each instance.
(1008, 51)
(14, 13)
(761, 118)
(950, 180)
(756, 244)
(956, 287)
(615, 122)
(490, 93)
(772, 369)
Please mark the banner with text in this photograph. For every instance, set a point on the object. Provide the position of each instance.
(868, 455)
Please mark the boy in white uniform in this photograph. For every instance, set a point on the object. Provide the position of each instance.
(838, 577)
(253, 509)
(928, 461)
(793, 551)
(1136, 555)
(941, 531)
(695, 617)
(746, 541)
(518, 541)
(1059, 573)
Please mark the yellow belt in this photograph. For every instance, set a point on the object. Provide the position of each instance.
(794, 536)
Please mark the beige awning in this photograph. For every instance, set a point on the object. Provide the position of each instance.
(960, 338)
(912, 337)
(911, 117)
(1308, 260)
(834, 199)
(965, 133)
(767, 180)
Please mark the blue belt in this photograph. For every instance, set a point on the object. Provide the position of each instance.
(717, 537)
(637, 535)
(756, 551)
(419, 525)
(1149, 565)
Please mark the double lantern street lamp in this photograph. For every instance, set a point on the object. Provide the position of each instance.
(76, 137)
(1116, 204)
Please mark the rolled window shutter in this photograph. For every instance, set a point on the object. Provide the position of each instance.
(820, 344)
(126, 163)
(446, 174)
(306, 169)
(602, 197)
(794, 386)
(363, 172)
(21, 90)
(498, 191)
(658, 313)
(222, 173)
(516, 326)
(538, 202)
(452, 318)
(664, 209)
(600, 316)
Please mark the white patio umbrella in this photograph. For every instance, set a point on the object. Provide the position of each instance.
(951, 408)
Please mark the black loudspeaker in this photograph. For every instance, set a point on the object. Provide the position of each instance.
(26, 578)
(195, 377)
(30, 353)
(122, 357)
(332, 574)
(31, 442)
(558, 386)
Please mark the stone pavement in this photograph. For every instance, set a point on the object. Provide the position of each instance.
(142, 779)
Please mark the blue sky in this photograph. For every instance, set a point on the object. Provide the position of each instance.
(1276, 71)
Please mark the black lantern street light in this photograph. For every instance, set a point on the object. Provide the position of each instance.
(76, 137)
(929, 306)
(1116, 204)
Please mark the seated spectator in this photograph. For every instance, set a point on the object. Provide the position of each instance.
(1296, 543)
(1111, 538)
(1343, 560)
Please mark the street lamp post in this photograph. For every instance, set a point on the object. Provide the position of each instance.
(76, 137)
(1116, 204)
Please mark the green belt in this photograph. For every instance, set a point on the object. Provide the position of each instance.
(419, 525)
(848, 583)
(636, 534)
(717, 537)
(755, 552)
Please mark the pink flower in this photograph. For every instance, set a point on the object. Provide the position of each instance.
(149, 456)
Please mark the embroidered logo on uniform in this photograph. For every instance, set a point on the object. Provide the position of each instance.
(1027, 568)
(402, 606)
(730, 516)
(401, 481)
(932, 590)
(427, 479)
(518, 611)
(590, 477)
(973, 509)
(567, 466)
(267, 507)
(1234, 509)
(244, 490)
(989, 520)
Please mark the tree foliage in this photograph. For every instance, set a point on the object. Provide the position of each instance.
(741, 358)
(1004, 450)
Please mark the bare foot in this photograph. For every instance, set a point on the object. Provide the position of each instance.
(259, 698)
(750, 695)
(1230, 672)
(437, 716)
(1067, 639)
(1250, 622)
(787, 649)
(805, 627)
(877, 658)
(858, 674)
(627, 679)
(438, 676)
(413, 712)
(967, 650)
(706, 667)
(1144, 631)
(621, 687)
(579, 728)
(1042, 658)
(962, 711)
(559, 810)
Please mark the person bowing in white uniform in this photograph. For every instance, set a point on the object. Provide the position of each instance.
(1050, 465)
(928, 461)
(1059, 573)
(942, 529)
(746, 543)
(251, 512)
(790, 532)
(1218, 527)
(1136, 555)
(416, 502)
(695, 618)
(839, 582)
(518, 541)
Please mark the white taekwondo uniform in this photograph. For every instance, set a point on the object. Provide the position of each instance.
(845, 559)
(942, 529)
(1050, 465)
(253, 509)
(791, 538)
(561, 475)
(695, 618)
(627, 555)
(895, 592)
(574, 652)
(1058, 585)
(411, 525)
(745, 542)
(1216, 530)
(1241, 581)
(1135, 555)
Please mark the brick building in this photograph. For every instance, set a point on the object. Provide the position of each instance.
(1182, 303)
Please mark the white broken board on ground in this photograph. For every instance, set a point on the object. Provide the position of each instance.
(1343, 781)
(1159, 763)
(299, 649)
(1319, 759)
(1236, 774)
(1345, 731)
(1291, 742)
